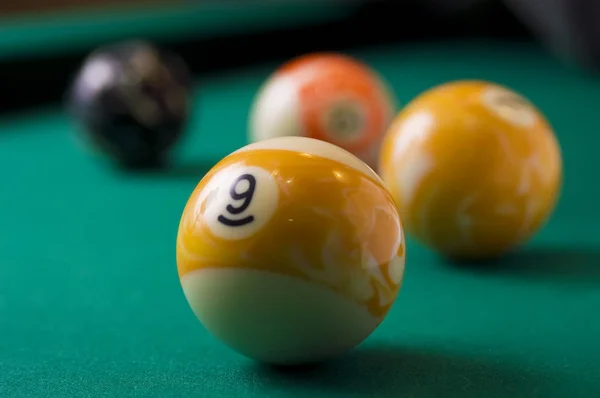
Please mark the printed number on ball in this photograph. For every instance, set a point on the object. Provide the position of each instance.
(238, 201)
(510, 106)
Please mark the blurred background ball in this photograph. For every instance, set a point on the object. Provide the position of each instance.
(330, 97)
(132, 102)
(474, 167)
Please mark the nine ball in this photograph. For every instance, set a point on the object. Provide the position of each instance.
(290, 251)
(474, 167)
(131, 101)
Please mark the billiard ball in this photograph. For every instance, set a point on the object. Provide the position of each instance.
(327, 96)
(131, 101)
(474, 167)
(290, 251)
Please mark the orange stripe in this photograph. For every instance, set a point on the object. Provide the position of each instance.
(327, 80)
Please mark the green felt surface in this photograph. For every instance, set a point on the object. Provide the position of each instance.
(53, 33)
(90, 302)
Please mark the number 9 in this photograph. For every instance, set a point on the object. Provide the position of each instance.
(246, 196)
(238, 201)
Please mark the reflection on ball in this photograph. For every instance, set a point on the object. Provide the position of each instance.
(290, 251)
(329, 97)
(474, 168)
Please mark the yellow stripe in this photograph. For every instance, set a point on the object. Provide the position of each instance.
(333, 225)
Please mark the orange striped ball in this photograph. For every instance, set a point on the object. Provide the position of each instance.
(330, 97)
(290, 251)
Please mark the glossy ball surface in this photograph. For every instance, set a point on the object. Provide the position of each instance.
(290, 251)
(330, 97)
(474, 168)
(131, 101)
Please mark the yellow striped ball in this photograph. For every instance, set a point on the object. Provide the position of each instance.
(290, 250)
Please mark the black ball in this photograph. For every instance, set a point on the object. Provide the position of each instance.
(132, 101)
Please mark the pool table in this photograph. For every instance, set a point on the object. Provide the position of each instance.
(91, 305)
